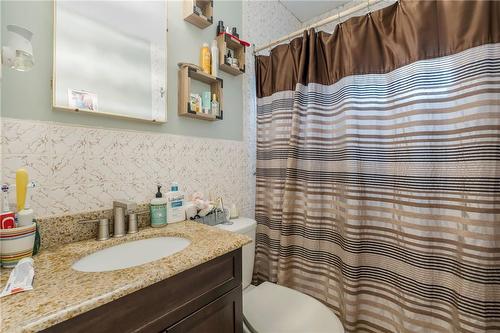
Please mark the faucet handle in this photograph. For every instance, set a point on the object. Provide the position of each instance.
(132, 223)
(103, 229)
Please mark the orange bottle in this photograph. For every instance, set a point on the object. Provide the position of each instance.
(205, 58)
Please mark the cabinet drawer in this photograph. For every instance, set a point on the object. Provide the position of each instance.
(224, 315)
(162, 304)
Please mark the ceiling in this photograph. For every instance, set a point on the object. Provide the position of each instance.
(305, 10)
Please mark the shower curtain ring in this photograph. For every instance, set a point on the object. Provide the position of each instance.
(339, 23)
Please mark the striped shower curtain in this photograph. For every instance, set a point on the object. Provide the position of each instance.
(378, 168)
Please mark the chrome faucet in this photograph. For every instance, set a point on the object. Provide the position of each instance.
(121, 209)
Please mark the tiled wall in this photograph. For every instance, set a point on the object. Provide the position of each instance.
(81, 169)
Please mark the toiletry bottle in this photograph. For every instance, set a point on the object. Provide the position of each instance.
(215, 106)
(215, 58)
(205, 58)
(7, 217)
(235, 33)
(26, 215)
(192, 102)
(5, 199)
(158, 209)
(176, 208)
(195, 103)
(220, 28)
(198, 103)
(197, 10)
(205, 102)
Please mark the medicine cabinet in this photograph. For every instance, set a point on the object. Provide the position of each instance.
(110, 58)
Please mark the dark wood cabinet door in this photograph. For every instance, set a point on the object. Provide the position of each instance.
(220, 316)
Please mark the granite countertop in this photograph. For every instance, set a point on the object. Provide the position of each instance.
(61, 293)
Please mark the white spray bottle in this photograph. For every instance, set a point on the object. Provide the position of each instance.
(215, 58)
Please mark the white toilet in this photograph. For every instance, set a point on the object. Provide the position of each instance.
(270, 308)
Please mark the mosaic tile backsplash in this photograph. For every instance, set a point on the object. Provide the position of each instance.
(81, 169)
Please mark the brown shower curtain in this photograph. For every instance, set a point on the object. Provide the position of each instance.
(378, 164)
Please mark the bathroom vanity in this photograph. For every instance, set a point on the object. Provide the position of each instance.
(205, 298)
(197, 289)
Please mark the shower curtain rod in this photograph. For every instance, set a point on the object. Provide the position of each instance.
(336, 17)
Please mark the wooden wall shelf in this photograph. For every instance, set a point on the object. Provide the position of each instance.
(203, 19)
(225, 42)
(188, 73)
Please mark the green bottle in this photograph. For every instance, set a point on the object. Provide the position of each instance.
(158, 210)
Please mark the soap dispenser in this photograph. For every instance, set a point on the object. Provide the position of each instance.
(158, 209)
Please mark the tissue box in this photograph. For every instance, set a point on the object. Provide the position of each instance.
(16, 244)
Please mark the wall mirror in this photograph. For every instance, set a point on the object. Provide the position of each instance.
(110, 58)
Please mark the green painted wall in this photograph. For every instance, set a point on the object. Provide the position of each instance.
(29, 96)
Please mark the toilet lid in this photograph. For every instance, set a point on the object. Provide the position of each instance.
(270, 308)
(240, 225)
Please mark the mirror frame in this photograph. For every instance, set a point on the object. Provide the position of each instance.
(56, 107)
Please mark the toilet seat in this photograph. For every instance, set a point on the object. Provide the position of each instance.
(270, 308)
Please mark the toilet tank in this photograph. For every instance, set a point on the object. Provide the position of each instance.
(246, 227)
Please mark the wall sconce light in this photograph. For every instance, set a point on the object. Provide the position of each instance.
(18, 51)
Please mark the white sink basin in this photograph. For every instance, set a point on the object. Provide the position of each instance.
(130, 254)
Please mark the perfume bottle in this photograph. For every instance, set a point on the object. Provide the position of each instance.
(215, 106)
